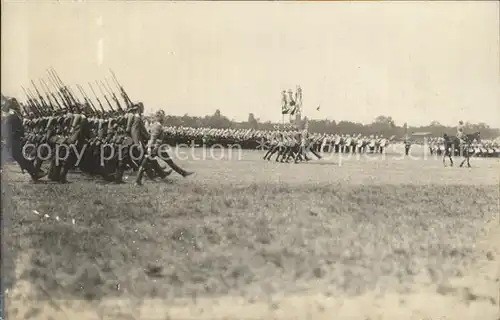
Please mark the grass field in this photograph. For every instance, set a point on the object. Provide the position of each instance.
(378, 238)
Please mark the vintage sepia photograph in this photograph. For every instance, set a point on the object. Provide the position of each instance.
(250, 160)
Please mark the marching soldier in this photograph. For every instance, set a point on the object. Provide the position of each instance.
(78, 133)
(149, 161)
(13, 134)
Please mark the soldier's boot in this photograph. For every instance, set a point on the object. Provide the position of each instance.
(297, 158)
(284, 157)
(268, 154)
(54, 171)
(316, 154)
(143, 167)
(50, 172)
(272, 154)
(34, 174)
(289, 156)
(140, 173)
(119, 175)
(105, 172)
(38, 175)
(178, 169)
(28, 166)
(64, 173)
(37, 164)
(155, 166)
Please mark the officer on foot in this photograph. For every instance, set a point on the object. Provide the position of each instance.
(407, 143)
(150, 160)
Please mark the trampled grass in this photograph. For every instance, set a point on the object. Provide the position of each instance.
(254, 230)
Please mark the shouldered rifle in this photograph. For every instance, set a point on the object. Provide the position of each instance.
(125, 96)
(65, 90)
(47, 89)
(31, 103)
(97, 98)
(105, 97)
(49, 99)
(88, 102)
(36, 102)
(66, 102)
(44, 104)
(114, 97)
(72, 95)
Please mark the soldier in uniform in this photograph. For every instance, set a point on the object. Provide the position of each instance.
(149, 161)
(407, 143)
(78, 134)
(13, 133)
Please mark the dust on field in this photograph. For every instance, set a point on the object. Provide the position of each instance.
(282, 241)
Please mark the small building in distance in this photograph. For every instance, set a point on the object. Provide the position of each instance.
(420, 137)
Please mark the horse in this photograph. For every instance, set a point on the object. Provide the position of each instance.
(453, 145)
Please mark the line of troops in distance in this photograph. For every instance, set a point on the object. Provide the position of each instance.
(319, 142)
(255, 139)
(260, 139)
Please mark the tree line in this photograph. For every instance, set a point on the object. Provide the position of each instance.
(382, 125)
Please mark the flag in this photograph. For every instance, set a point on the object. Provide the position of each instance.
(284, 109)
(317, 109)
(292, 104)
(298, 95)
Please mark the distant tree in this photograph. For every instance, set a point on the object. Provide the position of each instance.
(252, 122)
(217, 120)
(384, 120)
(160, 115)
(435, 123)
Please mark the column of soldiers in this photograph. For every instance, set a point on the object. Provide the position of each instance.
(68, 133)
(282, 142)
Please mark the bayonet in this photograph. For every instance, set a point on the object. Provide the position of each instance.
(114, 97)
(97, 98)
(104, 94)
(124, 94)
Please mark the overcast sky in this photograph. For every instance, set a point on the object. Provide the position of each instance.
(415, 61)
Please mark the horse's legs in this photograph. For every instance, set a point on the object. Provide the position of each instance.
(462, 163)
